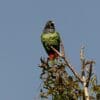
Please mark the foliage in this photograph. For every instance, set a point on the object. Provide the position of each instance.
(60, 85)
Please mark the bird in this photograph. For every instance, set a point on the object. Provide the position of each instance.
(50, 38)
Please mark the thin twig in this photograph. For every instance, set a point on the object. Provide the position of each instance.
(82, 59)
(73, 70)
(56, 51)
(90, 72)
(82, 56)
(62, 49)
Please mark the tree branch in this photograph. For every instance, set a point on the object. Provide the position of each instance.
(66, 61)
(90, 72)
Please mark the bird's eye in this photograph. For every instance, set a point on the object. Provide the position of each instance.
(52, 24)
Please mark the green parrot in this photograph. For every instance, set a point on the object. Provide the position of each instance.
(50, 37)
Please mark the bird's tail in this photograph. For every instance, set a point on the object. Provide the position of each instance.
(53, 56)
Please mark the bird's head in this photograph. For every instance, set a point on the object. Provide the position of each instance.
(49, 27)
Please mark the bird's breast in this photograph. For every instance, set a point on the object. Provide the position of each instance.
(50, 38)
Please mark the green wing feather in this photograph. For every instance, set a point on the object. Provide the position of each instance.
(50, 39)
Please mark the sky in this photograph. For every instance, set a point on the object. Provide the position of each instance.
(21, 24)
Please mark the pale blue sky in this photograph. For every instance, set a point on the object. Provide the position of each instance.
(21, 24)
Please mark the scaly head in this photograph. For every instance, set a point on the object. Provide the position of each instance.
(49, 27)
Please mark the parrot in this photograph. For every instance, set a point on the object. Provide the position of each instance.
(50, 37)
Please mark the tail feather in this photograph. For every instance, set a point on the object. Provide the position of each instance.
(53, 56)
